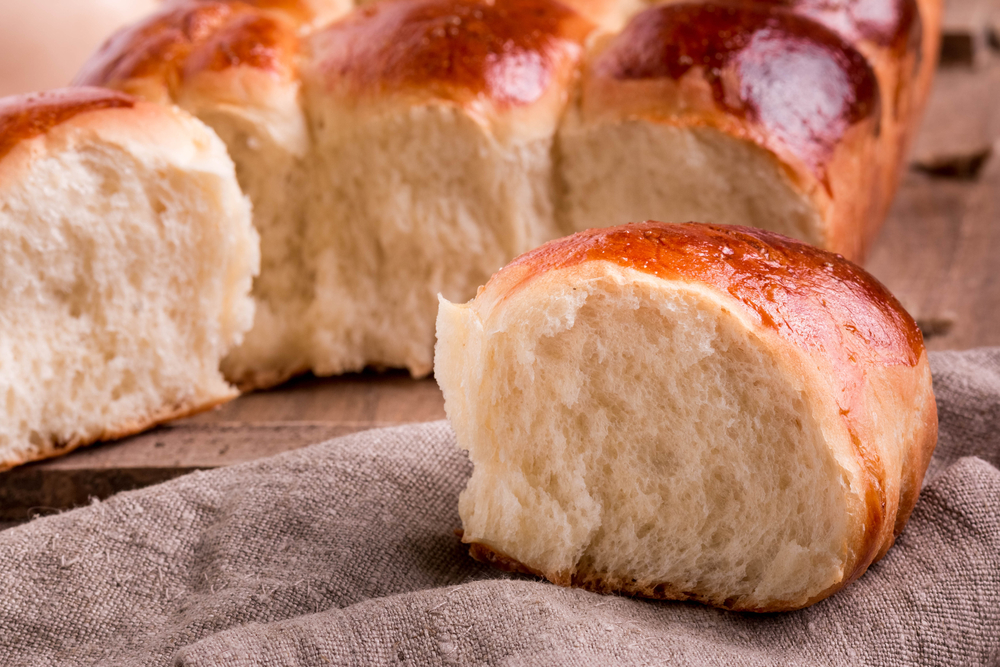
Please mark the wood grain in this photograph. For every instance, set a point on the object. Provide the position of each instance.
(364, 398)
(154, 456)
(938, 249)
(302, 412)
(961, 123)
(937, 253)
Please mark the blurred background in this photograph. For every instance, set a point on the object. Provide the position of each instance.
(44, 42)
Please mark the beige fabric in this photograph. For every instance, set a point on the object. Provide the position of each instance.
(343, 554)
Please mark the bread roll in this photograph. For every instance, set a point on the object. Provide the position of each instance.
(900, 39)
(687, 412)
(232, 64)
(433, 123)
(128, 258)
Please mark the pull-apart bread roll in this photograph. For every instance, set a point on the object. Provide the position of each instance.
(232, 64)
(789, 115)
(128, 255)
(433, 122)
(687, 412)
(900, 38)
(729, 114)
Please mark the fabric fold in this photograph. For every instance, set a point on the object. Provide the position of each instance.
(343, 553)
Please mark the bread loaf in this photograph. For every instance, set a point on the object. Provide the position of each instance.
(409, 147)
(128, 256)
(687, 412)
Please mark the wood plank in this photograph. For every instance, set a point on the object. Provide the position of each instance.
(363, 398)
(937, 255)
(935, 252)
(155, 456)
(302, 412)
(961, 123)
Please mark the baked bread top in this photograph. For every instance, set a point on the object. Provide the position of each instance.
(508, 53)
(24, 117)
(163, 56)
(781, 79)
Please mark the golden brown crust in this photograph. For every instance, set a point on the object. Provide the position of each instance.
(508, 51)
(760, 65)
(157, 56)
(811, 297)
(23, 117)
(846, 328)
(117, 431)
(248, 40)
(915, 466)
(900, 40)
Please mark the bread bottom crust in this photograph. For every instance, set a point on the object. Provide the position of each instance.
(627, 587)
(265, 379)
(52, 449)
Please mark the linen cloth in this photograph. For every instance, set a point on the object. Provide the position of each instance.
(344, 554)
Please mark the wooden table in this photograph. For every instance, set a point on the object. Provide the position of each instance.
(938, 252)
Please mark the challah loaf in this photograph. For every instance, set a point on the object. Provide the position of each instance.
(410, 147)
(687, 412)
(128, 256)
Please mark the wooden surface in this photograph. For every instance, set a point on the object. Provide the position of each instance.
(969, 30)
(938, 252)
(300, 413)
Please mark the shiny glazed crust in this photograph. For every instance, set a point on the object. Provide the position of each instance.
(839, 326)
(738, 65)
(24, 117)
(171, 53)
(900, 38)
(749, 68)
(25, 120)
(452, 49)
